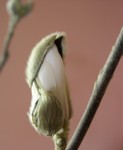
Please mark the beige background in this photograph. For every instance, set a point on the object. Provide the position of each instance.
(92, 28)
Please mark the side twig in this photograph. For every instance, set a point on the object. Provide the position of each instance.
(5, 53)
(99, 89)
(16, 11)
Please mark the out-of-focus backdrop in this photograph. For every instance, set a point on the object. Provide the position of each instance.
(92, 28)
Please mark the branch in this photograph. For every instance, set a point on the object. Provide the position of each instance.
(5, 50)
(16, 11)
(99, 89)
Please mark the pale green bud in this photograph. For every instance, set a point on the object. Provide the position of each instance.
(16, 9)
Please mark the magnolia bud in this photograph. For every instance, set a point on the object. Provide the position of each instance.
(50, 109)
(17, 10)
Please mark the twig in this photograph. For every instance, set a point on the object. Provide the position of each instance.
(5, 51)
(99, 89)
(16, 11)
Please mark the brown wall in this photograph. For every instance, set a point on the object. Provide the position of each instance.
(92, 28)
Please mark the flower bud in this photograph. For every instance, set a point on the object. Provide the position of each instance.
(17, 10)
(50, 109)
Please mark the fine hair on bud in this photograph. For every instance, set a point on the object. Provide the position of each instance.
(47, 115)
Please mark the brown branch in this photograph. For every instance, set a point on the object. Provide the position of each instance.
(99, 89)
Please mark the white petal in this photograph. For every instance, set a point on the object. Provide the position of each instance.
(52, 76)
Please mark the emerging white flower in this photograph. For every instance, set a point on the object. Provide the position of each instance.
(50, 109)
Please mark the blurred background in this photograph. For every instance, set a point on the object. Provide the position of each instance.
(92, 28)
